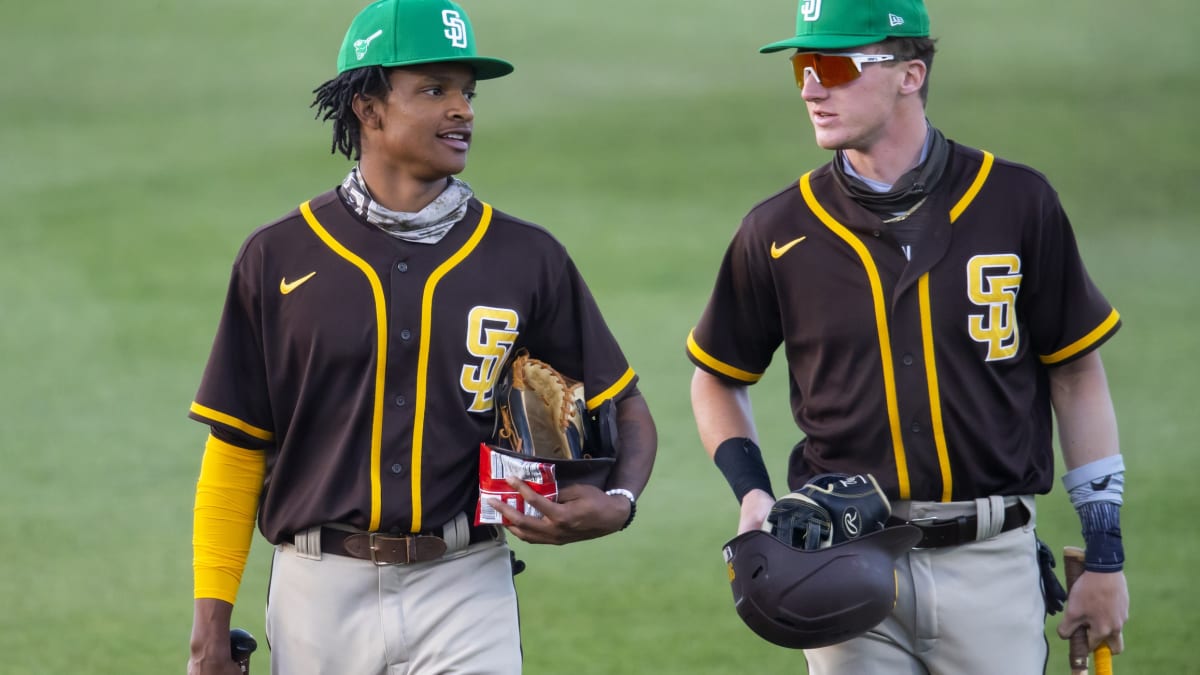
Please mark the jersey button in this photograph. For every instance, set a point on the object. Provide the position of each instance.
(402, 266)
(877, 234)
(916, 427)
(397, 468)
(907, 360)
(405, 334)
(400, 401)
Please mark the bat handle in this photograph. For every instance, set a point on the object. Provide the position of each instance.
(1077, 650)
(1103, 657)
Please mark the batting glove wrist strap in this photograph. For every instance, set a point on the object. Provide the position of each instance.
(1103, 550)
(741, 462)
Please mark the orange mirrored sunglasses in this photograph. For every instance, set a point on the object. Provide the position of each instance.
(832, 70)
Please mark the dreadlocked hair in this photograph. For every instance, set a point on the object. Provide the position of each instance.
(335, 101)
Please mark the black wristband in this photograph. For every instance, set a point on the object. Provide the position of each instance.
(1103, 550)
(740, 460)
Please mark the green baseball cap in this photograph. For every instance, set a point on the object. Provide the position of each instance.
(840, 24)
(409, 32)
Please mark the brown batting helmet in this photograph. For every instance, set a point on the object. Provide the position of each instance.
(804, 599)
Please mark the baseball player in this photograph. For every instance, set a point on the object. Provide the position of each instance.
(350, 383)
(935, 318)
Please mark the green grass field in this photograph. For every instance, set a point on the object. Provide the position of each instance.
(142, 140)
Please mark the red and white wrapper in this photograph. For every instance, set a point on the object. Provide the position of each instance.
(494, 467)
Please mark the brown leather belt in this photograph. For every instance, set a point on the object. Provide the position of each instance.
(394, 549)
(954, 531)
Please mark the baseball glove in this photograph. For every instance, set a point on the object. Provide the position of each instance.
(540, 411)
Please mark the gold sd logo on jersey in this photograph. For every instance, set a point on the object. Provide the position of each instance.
(993, 282)
(491, 332)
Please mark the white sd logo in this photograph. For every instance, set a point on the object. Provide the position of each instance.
(456, 30)
(810, 10)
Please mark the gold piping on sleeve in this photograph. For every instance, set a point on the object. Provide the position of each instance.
(595, 401)
(380, 355)
(976, 185)
(881, 328)
(935, 396)
(719, 366)
(418, 442)
(231, 421)
(1083, 342)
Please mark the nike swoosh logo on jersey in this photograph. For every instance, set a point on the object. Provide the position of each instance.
(778, 251)
(285, 287)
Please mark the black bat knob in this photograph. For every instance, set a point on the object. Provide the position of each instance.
(241, 645)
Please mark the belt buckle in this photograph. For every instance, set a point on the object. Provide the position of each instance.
(374, 549)
(920, 524)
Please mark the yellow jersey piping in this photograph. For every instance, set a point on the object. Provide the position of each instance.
(418, 441)
(1083, 342)
(381, 327)
(881, 328)
(595, 401)
(985, 169)
(935, 397)
(719, 366)
(931, 376)
(231, 421)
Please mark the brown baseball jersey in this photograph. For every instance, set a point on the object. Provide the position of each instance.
(929, 373)
(363, 364)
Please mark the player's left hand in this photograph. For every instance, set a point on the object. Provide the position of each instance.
(581, 512)
(756, 506)
(1100, 602)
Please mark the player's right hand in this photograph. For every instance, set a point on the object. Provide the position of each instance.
(209, 644)
(581, 512)
(1100, 602)
(756, 506)
(209, 663)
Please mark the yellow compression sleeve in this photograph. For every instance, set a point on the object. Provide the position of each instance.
(231, 479)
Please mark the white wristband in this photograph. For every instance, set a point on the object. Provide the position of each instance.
(632, 503)
(623, 492)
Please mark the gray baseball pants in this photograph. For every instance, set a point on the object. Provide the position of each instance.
(335, 615)
(974, 608)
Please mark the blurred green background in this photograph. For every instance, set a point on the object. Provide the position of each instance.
(141, 140)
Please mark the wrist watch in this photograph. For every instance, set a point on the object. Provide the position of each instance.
(632, 503)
